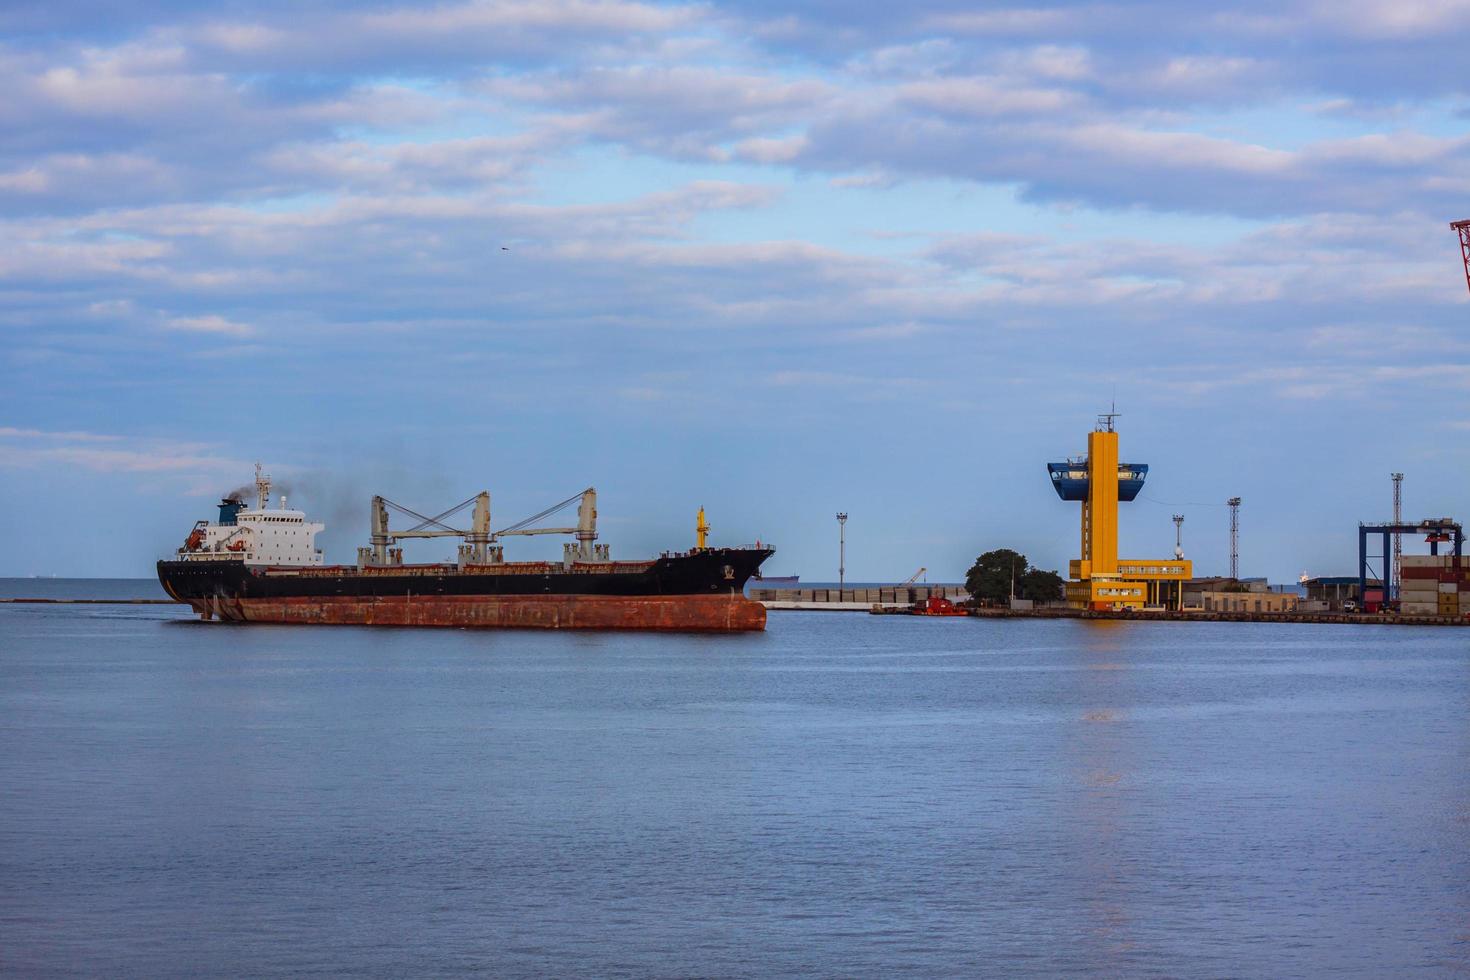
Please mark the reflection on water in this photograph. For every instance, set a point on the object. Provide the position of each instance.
(1104, 635)
(1102, 809)
(843, 794)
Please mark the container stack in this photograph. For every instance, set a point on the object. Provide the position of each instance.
(1432, 585)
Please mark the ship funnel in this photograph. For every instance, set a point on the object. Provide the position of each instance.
(228, 508)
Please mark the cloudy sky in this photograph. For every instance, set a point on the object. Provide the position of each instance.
(773, 259)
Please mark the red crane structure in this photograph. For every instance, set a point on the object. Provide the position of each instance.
(1462, 228)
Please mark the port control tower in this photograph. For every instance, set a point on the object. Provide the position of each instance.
(1099, 578)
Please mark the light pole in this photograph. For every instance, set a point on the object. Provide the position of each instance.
(841, 549)
(1398, 539)
(1234, 504)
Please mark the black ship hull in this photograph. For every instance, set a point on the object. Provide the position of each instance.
(699, 590)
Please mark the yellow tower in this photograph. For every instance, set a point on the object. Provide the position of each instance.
(1100, 510)
(1099, 578)
(701, 530)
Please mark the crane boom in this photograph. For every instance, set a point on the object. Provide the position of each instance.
(1462, 228)
(914, 577)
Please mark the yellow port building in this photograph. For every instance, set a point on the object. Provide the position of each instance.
(1099, 578)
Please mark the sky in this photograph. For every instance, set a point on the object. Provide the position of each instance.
(775, 260)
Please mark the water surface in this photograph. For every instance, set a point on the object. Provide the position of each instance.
(843, 794)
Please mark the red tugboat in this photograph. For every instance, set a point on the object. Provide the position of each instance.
(937, 606)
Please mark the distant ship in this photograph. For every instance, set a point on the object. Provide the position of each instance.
(778, 580)
(261, 564)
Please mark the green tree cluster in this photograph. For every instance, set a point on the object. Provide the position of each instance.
(990, 578)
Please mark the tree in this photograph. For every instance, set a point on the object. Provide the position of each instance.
(990, 577)
(1040, 586)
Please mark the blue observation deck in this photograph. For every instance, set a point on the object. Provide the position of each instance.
(1070, 479)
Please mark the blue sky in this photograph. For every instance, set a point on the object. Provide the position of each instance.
(773, 259)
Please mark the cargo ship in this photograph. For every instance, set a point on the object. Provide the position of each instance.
(261, 564)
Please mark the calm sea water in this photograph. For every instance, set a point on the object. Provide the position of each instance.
(843, 794)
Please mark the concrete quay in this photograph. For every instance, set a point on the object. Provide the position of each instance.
(789, 604)
(1219, 616)
(855, 599)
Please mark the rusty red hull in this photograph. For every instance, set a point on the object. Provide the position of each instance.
(684, 613)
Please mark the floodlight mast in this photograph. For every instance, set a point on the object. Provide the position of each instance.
(1396, 581)
(841, 549)
(1234, 504)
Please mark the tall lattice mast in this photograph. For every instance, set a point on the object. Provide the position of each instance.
(1462, 228)
(841, 549)
(1234, 504)
(1398, 539)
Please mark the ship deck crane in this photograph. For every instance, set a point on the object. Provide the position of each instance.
(914, 577)
(479, 546)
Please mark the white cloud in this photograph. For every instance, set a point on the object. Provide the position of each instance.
(1003, 22)
(976, 96)
(200, 467)
(12, 432)
(209, 325)
(1380, 19)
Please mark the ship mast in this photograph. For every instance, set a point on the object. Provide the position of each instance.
(262, 487)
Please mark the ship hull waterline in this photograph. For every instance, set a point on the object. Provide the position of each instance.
(694, 614)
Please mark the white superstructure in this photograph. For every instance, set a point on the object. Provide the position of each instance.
(259, 535)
